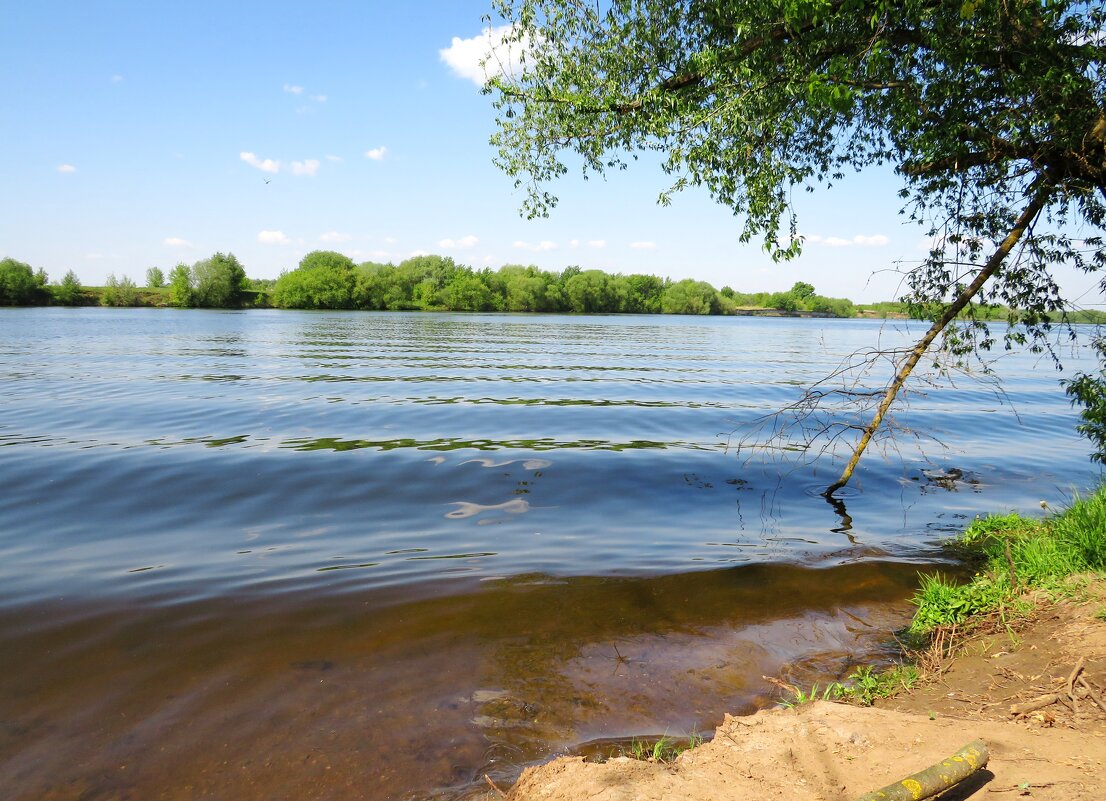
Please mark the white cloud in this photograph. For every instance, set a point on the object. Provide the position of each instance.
(273, 238)
(319, 98)
(484, 56)
(597, 243)
(574, 243)
(176, 242)
(117, 79)
(292, 89)
(545, 244)
(860, 240)
(390, 240)
(643, 245)
(335, 159)
(334, 236)
(377, 153)
(265, 165)
(463, 243)
(306, 167)
(66, 168)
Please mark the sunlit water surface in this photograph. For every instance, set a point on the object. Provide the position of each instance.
(290, 555)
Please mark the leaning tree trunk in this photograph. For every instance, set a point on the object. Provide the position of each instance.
(1040, 198)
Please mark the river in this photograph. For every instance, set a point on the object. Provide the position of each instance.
(292, 555)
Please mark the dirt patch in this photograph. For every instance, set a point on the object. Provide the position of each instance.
(835, 751)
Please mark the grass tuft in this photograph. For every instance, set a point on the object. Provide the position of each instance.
(1018, 554)
(662, 749)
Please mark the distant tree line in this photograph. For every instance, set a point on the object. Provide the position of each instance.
(330, 280)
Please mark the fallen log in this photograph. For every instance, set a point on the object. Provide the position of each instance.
(1032, 706)
(935, 779)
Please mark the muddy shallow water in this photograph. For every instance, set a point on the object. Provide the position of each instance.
(293, 555)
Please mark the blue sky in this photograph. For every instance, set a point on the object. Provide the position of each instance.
(143, 134)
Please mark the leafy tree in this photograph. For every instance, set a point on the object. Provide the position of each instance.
(68, 292)
(992, 112)
(119, 292)
(784, 301)
(181, 286)
(18, 285)
(155, 278)
(1089, 391)
(643, 294)
(369, 285)
(323, 280)
(466, 292)
(591, 291)
(218, 282)
(690, 297)
(802, 290)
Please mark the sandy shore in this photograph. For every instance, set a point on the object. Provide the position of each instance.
(830, 751)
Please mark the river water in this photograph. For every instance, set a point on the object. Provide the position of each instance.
(294, 555)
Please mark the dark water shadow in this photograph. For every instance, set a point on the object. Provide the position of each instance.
(289, 696)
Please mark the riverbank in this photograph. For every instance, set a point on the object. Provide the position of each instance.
(1026, 675)
(824, 750)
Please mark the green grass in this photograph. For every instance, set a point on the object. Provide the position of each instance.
(863, 686)
(1016, 554)
(662, 749)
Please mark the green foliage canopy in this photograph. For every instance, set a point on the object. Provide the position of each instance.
(218, 282)
(180, 286)
(977, 104)
(323, 280)
(18, 284)
(68, 292)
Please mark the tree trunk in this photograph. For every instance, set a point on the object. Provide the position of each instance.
(1038, 201)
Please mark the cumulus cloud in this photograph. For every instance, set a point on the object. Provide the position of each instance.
(265, 165)
(306, 167)
(176, 242)
(334, 236)
(597, 243)
(463, 243)
(66, 168)
(335, 159)
(484, 56)
(377, 153)
(292, 89)
(860, 240)
(319, 98)
(643, 245)
(545, 244)
(273, 238)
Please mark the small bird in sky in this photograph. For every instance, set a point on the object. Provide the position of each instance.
(267, 180)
